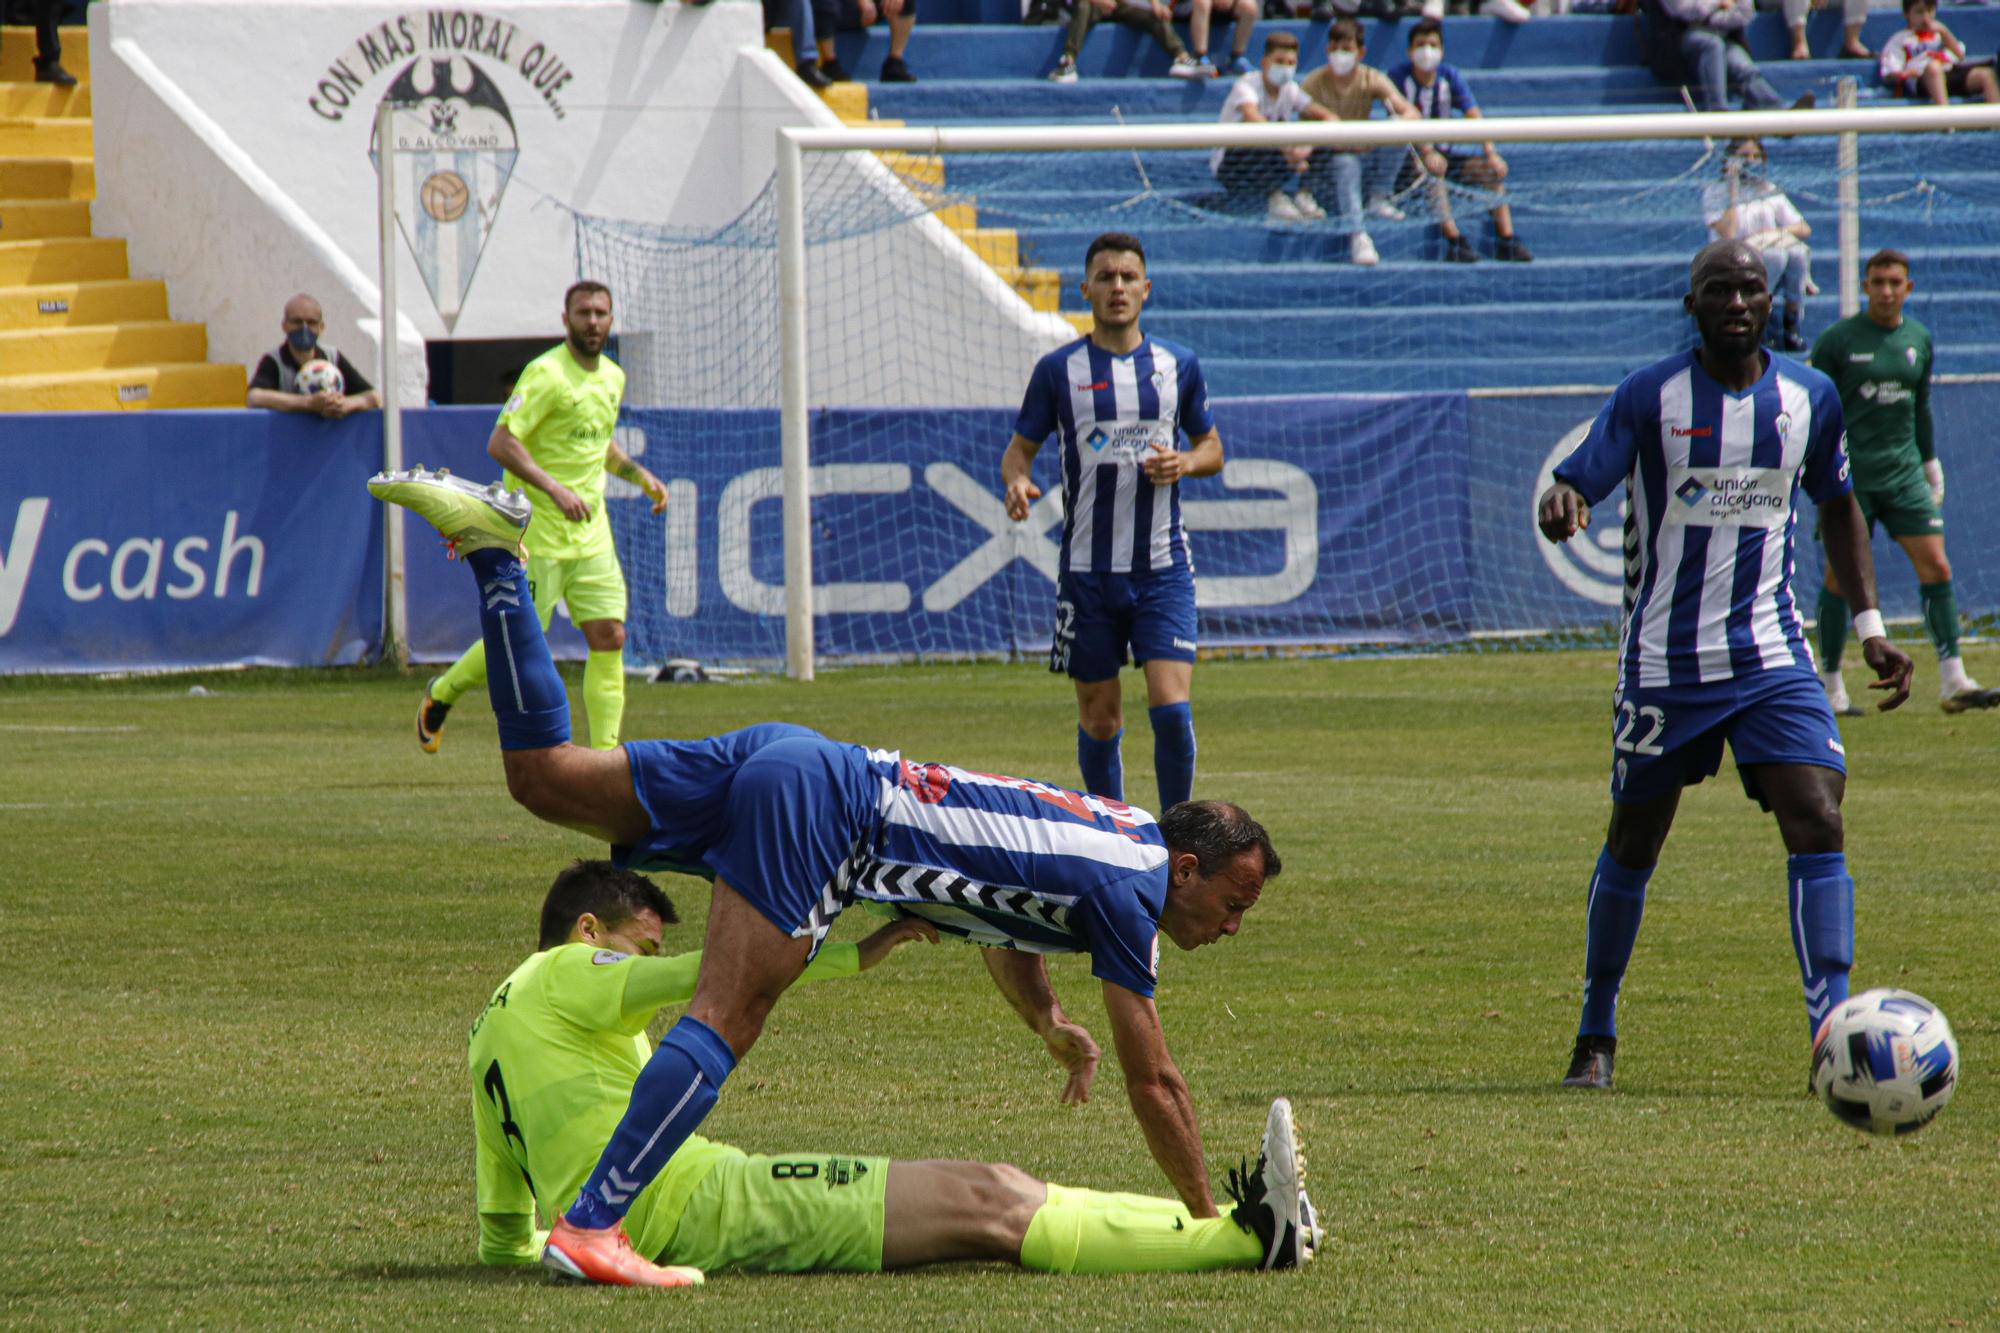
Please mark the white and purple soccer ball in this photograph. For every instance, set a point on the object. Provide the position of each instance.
(1885, 1061)
(320, 376)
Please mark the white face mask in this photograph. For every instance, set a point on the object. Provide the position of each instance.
(1427, 57)
(1342, 62)
(1280, 74)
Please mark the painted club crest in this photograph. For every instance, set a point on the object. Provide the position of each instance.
(455, 151)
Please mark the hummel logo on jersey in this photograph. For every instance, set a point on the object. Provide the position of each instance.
(1693, 432)
(1098, 387)
(499, 591)
(1870, 356)
(1835, 746)
(1691, 490)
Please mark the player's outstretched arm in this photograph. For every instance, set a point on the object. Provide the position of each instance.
(1023, 978)
(1159, 1095)
(1562, 512)
(1846, 536)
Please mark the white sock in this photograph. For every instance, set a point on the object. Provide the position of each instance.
(1951, 676)
(1836, 690)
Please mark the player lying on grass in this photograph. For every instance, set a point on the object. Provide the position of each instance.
(792, 827)
(555, 1054)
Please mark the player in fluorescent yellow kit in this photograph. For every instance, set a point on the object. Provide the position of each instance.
(554, 439)
(555, 1053)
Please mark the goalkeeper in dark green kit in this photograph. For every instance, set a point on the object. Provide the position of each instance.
(1880, 360)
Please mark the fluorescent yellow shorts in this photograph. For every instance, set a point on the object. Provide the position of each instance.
(593, 586)
(793, 1213)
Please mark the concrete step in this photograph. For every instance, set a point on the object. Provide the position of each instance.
(47, 177)
(101, 347)
(61, 259)
(17, 53)
(43, 99)
(45, 136)
(128, 388)
(30, 219)
(68, 304)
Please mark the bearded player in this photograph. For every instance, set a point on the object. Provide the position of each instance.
(554, 438)
(1713, 447)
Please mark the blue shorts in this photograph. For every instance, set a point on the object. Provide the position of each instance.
(800, 819)
(1098, 616)
(683, 786)
(1666, 738)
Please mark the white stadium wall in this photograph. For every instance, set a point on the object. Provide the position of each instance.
(234, 155)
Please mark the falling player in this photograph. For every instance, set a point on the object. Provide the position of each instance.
(792, 827)
(1880, 360)
(1713, 446)
(554, 435)
(555, 1053)
(1119, 402)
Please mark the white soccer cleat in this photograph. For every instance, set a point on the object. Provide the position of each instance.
(470, 517)
(1836, 695)
(1271, 1201)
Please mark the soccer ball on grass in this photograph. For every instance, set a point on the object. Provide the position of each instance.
(320, 376)
(1885, 1061)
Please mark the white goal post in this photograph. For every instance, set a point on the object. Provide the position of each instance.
(793, 144)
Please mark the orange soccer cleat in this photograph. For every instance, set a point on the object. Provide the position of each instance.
(606, 1256)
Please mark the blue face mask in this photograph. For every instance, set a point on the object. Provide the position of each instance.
(301, 339)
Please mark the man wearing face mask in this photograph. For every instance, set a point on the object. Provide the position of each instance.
(276, 383)
(1349, 90)
(1269, 94)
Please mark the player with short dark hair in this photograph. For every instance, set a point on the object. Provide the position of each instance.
(1713, 447)
(1118, 403)
(556, 1052)
(554, 437)
(793, 828)
(1880, 360)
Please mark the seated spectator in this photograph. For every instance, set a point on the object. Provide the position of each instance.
(1150, 16)
(1853, 13)
(1744, 205)
(1926, 62)
(1700, 42)
(1269, 93)
(796, 17)
(1348, 90)
(1242, 12)
(1436, 90)
(276, 383)
(830, 16)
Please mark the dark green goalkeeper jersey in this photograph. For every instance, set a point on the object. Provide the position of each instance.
(1884, 378)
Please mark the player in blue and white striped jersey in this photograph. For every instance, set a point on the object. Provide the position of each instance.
(1714, 447)
(1119, 403)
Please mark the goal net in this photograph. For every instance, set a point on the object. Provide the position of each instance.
(1387, 427)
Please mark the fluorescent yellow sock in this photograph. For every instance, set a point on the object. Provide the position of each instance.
(1083, 1231)
(604, 697)
(467, 673)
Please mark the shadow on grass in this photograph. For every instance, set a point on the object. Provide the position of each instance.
(476, 1274)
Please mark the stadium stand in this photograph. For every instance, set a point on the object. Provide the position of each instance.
(1410, 324)
(77, 332)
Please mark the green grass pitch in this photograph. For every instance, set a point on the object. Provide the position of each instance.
(244, 935)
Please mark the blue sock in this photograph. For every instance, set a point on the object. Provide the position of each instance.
(528, 699)
(1103, 769)
(1820, 894)
(674, 1093)
(1173, 753)
(1617, 902)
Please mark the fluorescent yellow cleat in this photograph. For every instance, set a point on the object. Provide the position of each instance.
(471, 517)
(430, 721)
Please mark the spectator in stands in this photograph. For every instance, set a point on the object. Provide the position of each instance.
(276, 383)
(858, 16)
(1926, 62)
(48, 45)
(1744, 205)
(1700, 42)
(1348, 90)
(1269, 93)
(1853, 12)
(1436, 90)
(1244, 15)
(796, 17)
(1155, 17)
